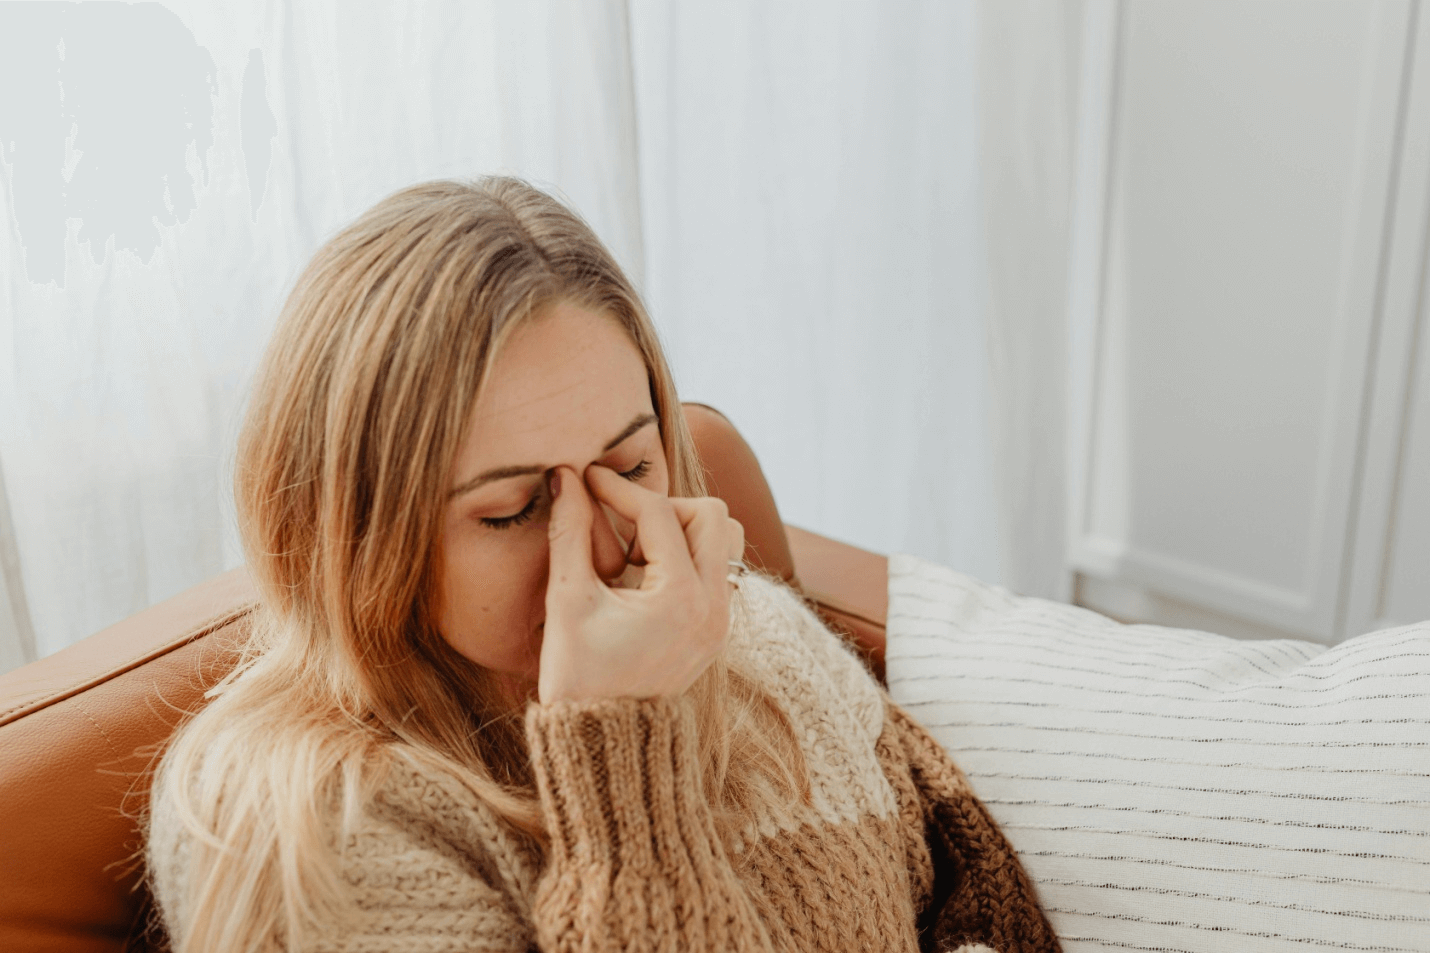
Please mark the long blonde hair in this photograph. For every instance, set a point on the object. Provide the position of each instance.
(343, 465)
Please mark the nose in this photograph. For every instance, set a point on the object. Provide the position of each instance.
(610, 535)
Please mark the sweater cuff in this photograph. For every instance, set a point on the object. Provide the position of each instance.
(620, 780)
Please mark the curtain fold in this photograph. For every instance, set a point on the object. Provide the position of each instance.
(17, 635)
(1028, 64)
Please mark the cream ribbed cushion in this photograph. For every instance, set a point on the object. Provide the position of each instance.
(1173, 790)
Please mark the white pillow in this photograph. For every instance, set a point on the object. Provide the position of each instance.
(1174, 790)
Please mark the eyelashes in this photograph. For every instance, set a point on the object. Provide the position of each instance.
(528, 512)
(636, 472)
(516, 519)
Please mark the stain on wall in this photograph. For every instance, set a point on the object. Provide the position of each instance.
(108, 119)
(258, 127)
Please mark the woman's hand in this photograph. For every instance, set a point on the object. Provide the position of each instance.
(601, 642)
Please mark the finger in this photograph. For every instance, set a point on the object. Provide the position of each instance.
(569, 530)
(658, 531)
(608, 543)
(737, 540)
(735, 551)
(634, 556)
(707, 532)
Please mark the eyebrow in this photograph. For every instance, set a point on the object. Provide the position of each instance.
(505, 473)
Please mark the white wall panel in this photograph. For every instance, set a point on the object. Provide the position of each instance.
(1388, 569)
(1251, 164)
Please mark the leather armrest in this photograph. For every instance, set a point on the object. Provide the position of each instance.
(850, 589)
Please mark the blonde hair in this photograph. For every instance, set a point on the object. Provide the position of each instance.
(343, 467)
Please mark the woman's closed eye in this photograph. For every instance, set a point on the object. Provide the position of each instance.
(636, 472)
(516, 519)
(528, 512)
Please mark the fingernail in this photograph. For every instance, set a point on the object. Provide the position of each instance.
(554, 481)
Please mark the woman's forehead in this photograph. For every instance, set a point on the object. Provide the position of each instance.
(567, 377)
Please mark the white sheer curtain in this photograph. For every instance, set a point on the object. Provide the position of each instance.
(795, 184)
(1028, 67)
(126, 342)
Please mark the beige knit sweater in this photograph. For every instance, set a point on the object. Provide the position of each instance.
(892, 852)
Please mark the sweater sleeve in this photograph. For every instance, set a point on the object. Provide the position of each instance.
(635, 861)
(969, 885)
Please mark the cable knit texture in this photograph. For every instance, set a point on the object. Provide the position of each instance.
(892, 851)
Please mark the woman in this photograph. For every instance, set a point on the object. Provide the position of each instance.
(505, 690)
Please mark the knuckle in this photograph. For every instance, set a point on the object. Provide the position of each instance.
(717, 507)
(654, 503)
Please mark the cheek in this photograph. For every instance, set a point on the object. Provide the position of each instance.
(493, 593)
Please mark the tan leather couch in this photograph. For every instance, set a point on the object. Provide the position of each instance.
(79, 729)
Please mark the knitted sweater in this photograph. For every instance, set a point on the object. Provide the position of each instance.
(892, 851)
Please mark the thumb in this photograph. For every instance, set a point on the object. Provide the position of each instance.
(568, 532)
